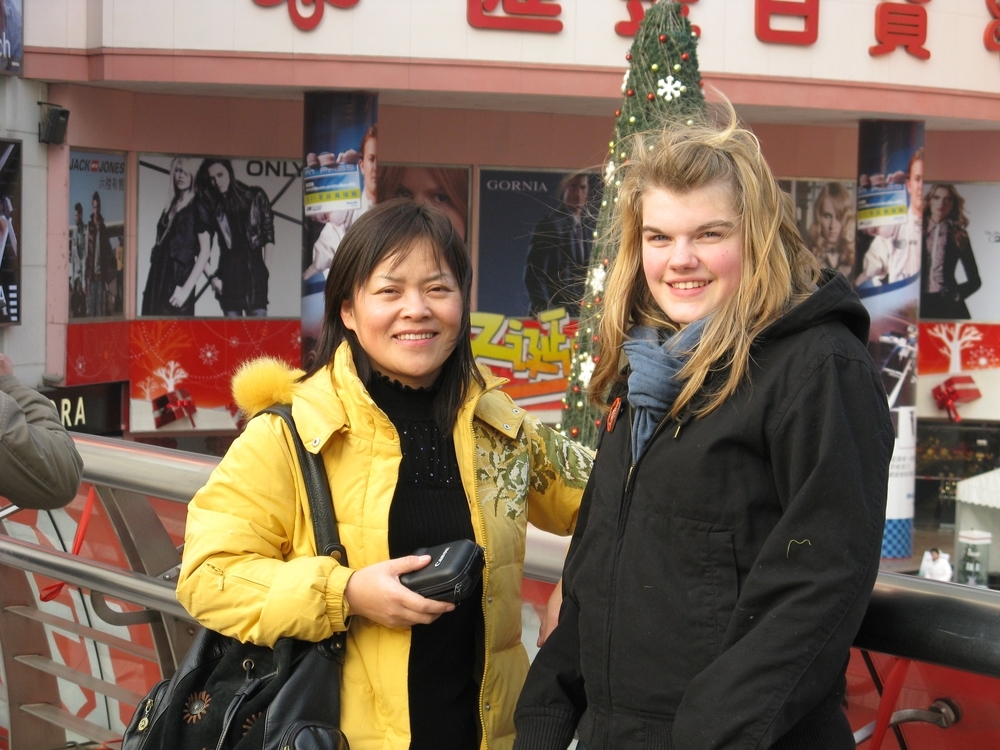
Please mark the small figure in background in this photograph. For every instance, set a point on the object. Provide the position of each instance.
(936, 565)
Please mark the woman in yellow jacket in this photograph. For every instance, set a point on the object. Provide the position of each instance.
(421, 449)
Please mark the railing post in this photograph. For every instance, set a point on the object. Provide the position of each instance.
(20, 636)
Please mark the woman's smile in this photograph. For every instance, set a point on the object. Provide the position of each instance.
(407, 316)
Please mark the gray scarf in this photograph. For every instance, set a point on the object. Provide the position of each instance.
(652, 384)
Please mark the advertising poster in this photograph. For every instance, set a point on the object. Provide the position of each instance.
(445, 188)
(11, 36)
(961, 251)
(536, 231)
(959, 365)
(96, 234)
(218, 237)
(890, 209)
(340, 143)
(10, 231)
(824, 212)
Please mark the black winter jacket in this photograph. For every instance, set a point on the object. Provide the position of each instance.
(713, 590)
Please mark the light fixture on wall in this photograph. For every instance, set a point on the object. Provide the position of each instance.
(52, 125)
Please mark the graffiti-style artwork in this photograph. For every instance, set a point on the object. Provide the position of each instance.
(533, 354)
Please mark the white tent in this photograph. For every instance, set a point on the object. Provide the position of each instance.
(977, 506)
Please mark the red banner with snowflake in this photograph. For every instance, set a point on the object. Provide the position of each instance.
(159, 356)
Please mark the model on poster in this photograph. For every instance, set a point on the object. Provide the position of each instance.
(946, 246)
(890, 208)
(216, 234)
(96, 234)
(10, 230)
(243, 225)
(559, 251)
(445, 188)
(340, 182)
(831, 232)
(183, 245)
(893, 252)
(527, 258)
(335, 223)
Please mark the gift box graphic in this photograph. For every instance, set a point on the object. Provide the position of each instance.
(958, 389)
(172, 407)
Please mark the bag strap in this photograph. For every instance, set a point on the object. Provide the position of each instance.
(317, 489)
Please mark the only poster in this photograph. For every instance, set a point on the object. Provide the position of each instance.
(96, 234)
(218, 237)
(10, 231)
(340, 143)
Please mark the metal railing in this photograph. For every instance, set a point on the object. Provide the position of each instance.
(939, 623)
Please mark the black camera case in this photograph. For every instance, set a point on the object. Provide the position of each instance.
(451, 575)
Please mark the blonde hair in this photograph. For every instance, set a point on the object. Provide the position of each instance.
(843, 209)
(777, 270)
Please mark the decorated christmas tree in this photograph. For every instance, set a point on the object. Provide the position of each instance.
(661, 84)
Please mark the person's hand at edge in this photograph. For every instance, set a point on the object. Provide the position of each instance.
(550, 618)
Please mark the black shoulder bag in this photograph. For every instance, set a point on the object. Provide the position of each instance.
(229, 695)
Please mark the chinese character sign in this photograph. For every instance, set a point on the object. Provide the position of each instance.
(807, 10)
(96, 234)
(304, 22)
(991, 37)
(901, 25)
(518, 15)
(637, 11)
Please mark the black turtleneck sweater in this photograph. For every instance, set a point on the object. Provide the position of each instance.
(430, 508)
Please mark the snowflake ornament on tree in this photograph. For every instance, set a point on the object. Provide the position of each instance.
(597, 276)
(609, 171)
(670, 88)
(664, 44)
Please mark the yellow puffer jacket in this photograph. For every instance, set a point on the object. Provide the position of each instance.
(250, 568)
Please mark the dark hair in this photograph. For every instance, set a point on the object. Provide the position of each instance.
(78, 207)
(96, 197)
(390, 230)
(204, 181)
(935, 549)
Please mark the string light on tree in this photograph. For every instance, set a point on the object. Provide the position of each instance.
(664, 44)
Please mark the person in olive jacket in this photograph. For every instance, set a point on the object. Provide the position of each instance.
(730, 533)
(39, 465)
